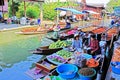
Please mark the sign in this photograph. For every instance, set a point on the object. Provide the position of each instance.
(4, 8)
(117, 10)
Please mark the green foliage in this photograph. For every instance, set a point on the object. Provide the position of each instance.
(112, 4)
(20, 13)
(50, 13)
(33, 9)
(33, 12)
(14, 8)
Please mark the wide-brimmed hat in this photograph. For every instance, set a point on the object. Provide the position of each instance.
(78, 28)
(75, 35)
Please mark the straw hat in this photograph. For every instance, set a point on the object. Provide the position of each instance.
(78, 28)
(75, 35)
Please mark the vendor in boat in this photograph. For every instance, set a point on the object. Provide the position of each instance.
(80, 32)
(103, 43)
(56, 29)
(77, 42)
(68, 24)
(94, 46)
(86, 37)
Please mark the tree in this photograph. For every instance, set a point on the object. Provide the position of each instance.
(14, 6)
(112, 4)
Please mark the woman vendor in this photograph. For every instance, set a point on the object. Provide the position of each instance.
(77, 42)
(94, 45)
(56, 31)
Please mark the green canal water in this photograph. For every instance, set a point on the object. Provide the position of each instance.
(15, 56)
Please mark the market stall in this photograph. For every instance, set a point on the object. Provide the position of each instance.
(114, 69)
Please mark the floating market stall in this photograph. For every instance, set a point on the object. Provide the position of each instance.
(114, 68)
(65, 63)
(74, 11)
(88, 29)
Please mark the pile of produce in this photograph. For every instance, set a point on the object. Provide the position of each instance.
(99, 30)
(58, 44)
(112, 31)
(65, 54)
(71, 32)
(116, 56)
(56, 58)
(88, 29)
(86, 71)
(30, 29)
(92, 63)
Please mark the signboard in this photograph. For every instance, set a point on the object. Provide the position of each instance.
(4, 8)
(117, 10)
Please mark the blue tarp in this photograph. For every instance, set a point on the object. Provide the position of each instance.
(70, 9)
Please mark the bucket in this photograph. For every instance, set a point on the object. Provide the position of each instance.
(67, 70)
(90, 77)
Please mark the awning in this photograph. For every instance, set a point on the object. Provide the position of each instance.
(70, 9)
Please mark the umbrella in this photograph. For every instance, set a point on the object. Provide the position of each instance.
(70, 9)
(62, 13)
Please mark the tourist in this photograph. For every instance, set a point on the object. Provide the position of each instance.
(94, 45)
(39, 21)
(77, 42)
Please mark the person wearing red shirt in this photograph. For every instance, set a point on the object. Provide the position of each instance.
(94, 45)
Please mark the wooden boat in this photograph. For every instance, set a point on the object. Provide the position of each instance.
(60, 29)
(68, 36)
(31, 33)
(45, 65)
(99, 30)
(89, 28)
(45, 50)
(53, 39)
(32, 30)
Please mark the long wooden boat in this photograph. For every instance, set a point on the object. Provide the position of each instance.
(67, 36)
(89, 28)
(99, 30)
(32, 30)
(45, 50)
(45, 65)
(31, 33)
(60, 29)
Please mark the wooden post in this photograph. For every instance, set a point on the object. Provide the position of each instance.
(24, 9)
(57, 18)
(12, 8)
(41, 11)
(111, 41)
(2, 11)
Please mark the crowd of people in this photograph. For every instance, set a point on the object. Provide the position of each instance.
(89, 43)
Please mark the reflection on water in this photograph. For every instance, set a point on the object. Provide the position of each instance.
(15, 56)
(16, 51)
(17, 71)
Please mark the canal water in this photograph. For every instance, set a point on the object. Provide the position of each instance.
(15, 56)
